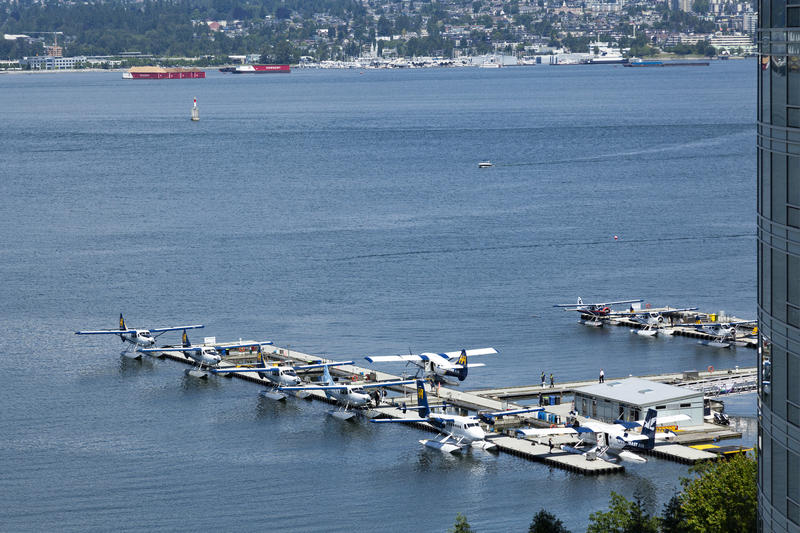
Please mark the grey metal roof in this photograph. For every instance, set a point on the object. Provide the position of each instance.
(637, 391)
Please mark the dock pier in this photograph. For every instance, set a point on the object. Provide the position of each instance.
(496, 400)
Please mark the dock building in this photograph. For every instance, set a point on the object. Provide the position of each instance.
(629, 399)
(778, 249)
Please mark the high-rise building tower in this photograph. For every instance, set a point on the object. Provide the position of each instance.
(778, 227)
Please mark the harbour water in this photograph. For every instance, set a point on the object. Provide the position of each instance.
(343, 213)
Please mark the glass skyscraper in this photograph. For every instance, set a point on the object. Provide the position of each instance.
(779, 265)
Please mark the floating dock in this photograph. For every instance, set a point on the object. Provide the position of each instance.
(683, 326)
(464, 402)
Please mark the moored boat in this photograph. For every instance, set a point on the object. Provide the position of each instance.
(261, 69)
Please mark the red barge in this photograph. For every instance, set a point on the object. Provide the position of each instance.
(160, 73)
(258, 69)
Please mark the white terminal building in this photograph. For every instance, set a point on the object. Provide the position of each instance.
(629, 399)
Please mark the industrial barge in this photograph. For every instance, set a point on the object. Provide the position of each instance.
(257, 69)
(161, 73)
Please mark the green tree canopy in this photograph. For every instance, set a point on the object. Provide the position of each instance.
(461, 525)
(623, 516)
(722, 499)
(544, 522)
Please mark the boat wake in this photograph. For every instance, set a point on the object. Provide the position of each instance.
(548, 245)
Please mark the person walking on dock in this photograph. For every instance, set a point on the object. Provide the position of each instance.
(542, 378)
(552, 384)
(550, 443)
(602, 376)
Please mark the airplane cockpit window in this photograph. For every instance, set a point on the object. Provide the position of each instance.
(290, 373)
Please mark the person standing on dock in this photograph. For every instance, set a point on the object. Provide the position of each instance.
(602, 376)
(552, 384)
(550, 443)
(542, 378)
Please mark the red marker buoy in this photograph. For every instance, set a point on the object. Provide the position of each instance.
(616, 238)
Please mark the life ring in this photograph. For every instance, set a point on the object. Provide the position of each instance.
(605, 310)
(552, 425)
(710, 368)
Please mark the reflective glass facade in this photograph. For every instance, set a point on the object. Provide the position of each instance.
(779, 265)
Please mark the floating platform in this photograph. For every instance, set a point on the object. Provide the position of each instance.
(464, 402)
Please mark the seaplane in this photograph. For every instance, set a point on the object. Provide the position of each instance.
(456, 431)
(611, 441)
(447, 368)
(280, 374)
(352, 399)
(204, 355)
(593, 314)
(724, 333)
(136, 337)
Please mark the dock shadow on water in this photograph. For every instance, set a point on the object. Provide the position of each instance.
(127, 366)
(267, 409)
(190, 384)
(429, 460)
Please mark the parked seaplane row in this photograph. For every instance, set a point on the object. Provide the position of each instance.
(456, 431)
(662, 322)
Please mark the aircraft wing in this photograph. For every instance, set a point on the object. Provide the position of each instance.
(442, 359)
(244, 369)
(345, 387)
(660, 421)
(154, 350)
(105, 332)
(241, 345)
(510, 412)
(387, 384)
(397, 420)
(548, 432)
(276, 368)
(321, 365)
(315, 387)
(598, 304)
(175, 328)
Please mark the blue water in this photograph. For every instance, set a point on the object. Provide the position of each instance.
(342, 213)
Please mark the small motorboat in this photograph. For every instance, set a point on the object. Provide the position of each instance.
(485, 164)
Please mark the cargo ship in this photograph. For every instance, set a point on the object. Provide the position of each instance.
(257, 69)
(160, 73)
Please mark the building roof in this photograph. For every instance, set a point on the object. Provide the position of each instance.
(637, 391)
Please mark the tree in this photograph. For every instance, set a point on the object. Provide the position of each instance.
(673, 519)
(723, 497)
(544, 522)
(623, 516)
(461, 525)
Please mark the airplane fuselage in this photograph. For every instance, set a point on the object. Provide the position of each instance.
(205, 356)
(466, 428)
(139, 337)
(353, 397)
(282, 376)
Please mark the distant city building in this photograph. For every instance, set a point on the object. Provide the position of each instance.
(749, 22)
(53, 63)
(55, 51)
(731, 43)
(778, 248)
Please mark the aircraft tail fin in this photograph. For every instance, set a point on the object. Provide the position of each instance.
(422, 399)
(649, 428)
(122, 323)
(185, 340)
(462, 362)
(327, 379)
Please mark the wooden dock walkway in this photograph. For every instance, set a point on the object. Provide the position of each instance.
(673, 378)
(496, 400)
